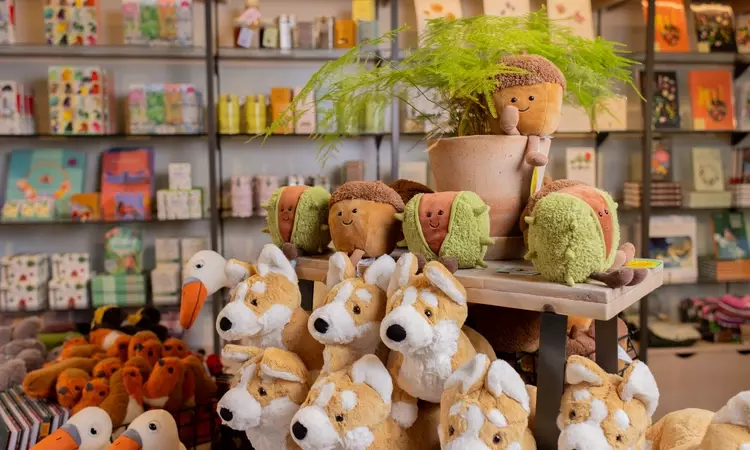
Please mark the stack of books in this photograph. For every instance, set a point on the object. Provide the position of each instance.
(740, 195)
(665, 194)
(25, 421)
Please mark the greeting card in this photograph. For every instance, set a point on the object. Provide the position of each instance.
(580, 164)
(666, 100)
(714, 27)
(48, 173)
(436, 9)
(743, 33)
(673, 240)
(126, 170)
(743, 105)
(671, 34)
(123, 251)
(86, 206)
(711, 99)
(573, 13)
(505, 8)
(708, 170)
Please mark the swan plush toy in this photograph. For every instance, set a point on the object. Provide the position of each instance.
(205, 274)
(152, 430)
(89, 429)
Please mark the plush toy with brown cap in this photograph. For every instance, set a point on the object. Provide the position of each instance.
(362, 219)
(529, 102)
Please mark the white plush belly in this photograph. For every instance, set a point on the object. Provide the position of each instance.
(134, 410)
(424, 379)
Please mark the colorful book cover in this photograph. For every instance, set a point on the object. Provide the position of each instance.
(671, 33)
(580, 164)
(130, 206)
(714, 27)
(504, 8)
(86, 206)
(743, 33)
(730, 236)
(666, 100)
(661, 161)
(712, 100)
(123, 251)
(673, 240)
(708, 171)
(575, 14)
(743, 105)
(126, 170)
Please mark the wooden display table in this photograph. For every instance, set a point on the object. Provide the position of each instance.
(518, 287)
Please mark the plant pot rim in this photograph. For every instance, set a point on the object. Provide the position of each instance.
(476, 137)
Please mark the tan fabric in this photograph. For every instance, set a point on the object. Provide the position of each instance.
(366, 225)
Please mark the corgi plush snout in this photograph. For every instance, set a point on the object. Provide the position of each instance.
(406, 330)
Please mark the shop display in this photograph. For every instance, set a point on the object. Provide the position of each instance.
(165, 109)
(81, 100)
(663, 194)
(572, 233)
(71, 23)
(239, 408)
(16, 108)
(233, 323)
(494, 390)
(7, 22)
(152, 22)
(372, 206)
(297, 219)
(711, 95)
(452, 227)
(635, 394)
(24, 282)
(671, 31)
(580, 165)
(714, 27)
(327, 323)
(70, 278)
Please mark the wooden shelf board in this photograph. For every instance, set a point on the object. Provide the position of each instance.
(531, 293)
(700, 347)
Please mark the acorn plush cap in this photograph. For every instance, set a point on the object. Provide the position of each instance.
(375, 191)
(538, 70)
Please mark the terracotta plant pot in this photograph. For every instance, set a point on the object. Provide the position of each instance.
(492, 166)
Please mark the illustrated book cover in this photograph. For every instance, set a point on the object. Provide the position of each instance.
(730, 236)
(123, 251)
(711, 98)
(671, 32)
(673, 240)
(661, 162)
(714, 27)
(708, 170)
(666, 99)
(742, 34)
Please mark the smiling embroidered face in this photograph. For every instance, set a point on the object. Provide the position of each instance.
(435, 217)
(538, 106)
(287, 208)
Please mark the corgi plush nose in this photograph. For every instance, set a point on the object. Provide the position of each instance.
(321, 326)
(225, 324)
(396, 333)
(299, 431)
(226, 414)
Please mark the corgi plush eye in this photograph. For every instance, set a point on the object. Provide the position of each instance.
(262, 392)
(496, 439)
(356, 309)
(428, 313)
(451, 431)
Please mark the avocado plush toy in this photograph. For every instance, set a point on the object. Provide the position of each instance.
(572, 232)
(298, 219)
(448, 225)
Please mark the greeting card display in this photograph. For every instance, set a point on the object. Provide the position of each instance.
(743, 33)
(714, 27)
(80, 100)
(666, 100)
(123, 251)
(504, 8)
(712, 99)
(127, 171)
(671, 34)
(574, 13)
(708, 170)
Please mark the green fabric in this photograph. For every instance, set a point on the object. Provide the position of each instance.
(565, 239)
(468, 231)
(52, 340)
(310, 232)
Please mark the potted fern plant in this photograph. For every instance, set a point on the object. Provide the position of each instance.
(491, 83)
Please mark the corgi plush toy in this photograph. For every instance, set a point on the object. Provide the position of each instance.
(422, 326)
(348, 322)
(600, 410)
(265, 311)
(273, 384)
(485, 405)
(350, 410)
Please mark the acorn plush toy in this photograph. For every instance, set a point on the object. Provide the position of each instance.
(298, 219)
(572, 233)
(362, 219)
(529, 102)
(448, 225)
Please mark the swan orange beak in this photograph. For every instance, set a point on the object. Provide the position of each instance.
(130, 440)
(194, 294)
(66, 438)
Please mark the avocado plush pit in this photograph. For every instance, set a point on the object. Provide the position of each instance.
(529, 102)
(361, 218)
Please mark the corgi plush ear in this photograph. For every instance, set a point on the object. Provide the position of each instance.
(380, 272)
(470, 375)
(235, 271)
(406, 267)
(443, 280)
(283, 365)
(638, 382)
(736, 411)
(239, 292)
(502, 379)
(340, 268)
(581, 370)
(272, 260)
(370, 370)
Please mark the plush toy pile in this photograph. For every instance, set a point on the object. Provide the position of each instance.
(20, 351)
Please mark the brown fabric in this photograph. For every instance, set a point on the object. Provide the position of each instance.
(435, 217)
(539, 109)
(41, 383)
(406, 189)
(298, 340)
(287, 207)
(364, 225)
(599, 204)
(374, 191)
(552, 186)
(538, 70)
